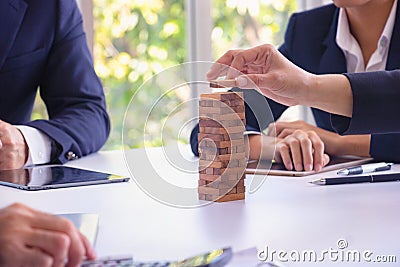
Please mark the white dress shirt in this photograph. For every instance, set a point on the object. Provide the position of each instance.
(39, 145)
(352, 51)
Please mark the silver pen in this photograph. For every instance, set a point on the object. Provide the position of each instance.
(366, 168)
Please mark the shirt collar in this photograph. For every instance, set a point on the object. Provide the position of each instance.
(386, 36)
(346, 41)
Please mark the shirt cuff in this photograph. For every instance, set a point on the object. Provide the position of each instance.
(39, 145)
(251, 133)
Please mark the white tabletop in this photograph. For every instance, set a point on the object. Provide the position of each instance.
(286, 213)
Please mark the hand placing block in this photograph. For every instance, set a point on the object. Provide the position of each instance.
(221, 147)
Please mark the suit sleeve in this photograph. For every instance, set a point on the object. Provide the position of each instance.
(252, 122)
(376, 107)
(78, 122)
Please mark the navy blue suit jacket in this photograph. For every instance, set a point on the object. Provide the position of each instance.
(43, 45)
(310, 43)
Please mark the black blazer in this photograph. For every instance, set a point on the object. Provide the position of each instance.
(43, 45)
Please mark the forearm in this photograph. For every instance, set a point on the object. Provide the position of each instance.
(330, 92)
(261, 147)
(357, 145)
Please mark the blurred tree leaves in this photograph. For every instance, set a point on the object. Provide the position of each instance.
(135, 39)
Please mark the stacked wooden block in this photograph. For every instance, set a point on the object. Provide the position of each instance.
(222, 160)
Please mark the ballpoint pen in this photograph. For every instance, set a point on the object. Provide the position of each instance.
(366, 168)
(390, 177)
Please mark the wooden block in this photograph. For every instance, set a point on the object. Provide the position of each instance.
(231, 197)
(210, 198)
(221, 184)
(205, 143)
(209, 177)
(236, 102)
(202, 170)
(215, 137)
(238, 171)
(215, 164)
(222, 95)
(211, 96)
(228, 177)
(209, 171)
(226, 130)
(225, 150)
(207, 156)
(231, 156)
(235, 129)
(208, 190)
(215, 151)
(240, 189)
(232, 191)
(221, 117)
(232, 109)
(203, 111)
(204, 122)
(202, 197)
(212, 130)
(206, 103)
(239, 149)
(202, 182)
(222, 83)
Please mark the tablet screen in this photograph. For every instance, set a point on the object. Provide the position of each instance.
(47, 177)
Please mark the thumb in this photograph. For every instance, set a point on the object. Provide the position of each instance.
(259, 82)
(326, 159)
(250, 81)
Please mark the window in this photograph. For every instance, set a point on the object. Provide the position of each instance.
(133, 40)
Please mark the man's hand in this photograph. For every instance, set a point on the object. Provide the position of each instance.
(13, 147)
(301, 150)
(32, 238)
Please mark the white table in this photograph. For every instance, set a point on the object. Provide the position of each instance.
(284, 214)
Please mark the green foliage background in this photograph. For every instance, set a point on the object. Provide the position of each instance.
(136, 39)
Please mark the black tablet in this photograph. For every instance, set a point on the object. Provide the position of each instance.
(49, 177)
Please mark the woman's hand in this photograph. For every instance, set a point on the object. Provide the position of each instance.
(301, 151)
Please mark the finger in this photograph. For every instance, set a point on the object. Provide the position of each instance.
(90, 253)
(306, 150)
(251, 81)
(271, 131)
(326, 159)
(55, 244)
(280, 126)
(283, 152)
(1, 144)
(222, 65)
(319, 149)
(286, 132)
(77, 249)
(295, 150)
(54, 223)
(33, 257)
(259, 56)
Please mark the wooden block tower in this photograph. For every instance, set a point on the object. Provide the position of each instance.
(222, 160)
